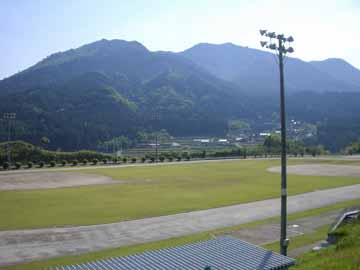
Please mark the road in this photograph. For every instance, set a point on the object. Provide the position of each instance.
(19, 246)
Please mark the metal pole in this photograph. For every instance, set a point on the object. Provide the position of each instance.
(156, 147)
(8, 141)
(283, 239)
(9, 117)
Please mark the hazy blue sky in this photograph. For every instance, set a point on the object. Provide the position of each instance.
(32, 29)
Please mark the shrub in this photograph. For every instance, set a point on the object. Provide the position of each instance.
(74, 162)
(115, 160)
(186, 156)
(85, 161)
(18, 165)
(178, 158)
(124, 160)
(52, 163)
(30, 164)
(63, 162)
(152, 159)
(6, 165)
(161, 158)
(133, 160)
(104, 161)
(95, 161)
(171, 159)
(143, 159)
(41, 164)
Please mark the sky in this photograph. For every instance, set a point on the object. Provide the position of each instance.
(30, 30)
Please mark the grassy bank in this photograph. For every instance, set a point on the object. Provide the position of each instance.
(345, 255)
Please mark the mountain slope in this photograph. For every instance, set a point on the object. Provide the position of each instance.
(339, 69)
(111, 88)
(257, 72)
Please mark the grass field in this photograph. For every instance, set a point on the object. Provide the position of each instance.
(156, 190)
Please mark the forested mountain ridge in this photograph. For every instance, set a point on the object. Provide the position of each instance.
(111, 88)
(339, 69)
(257, 70)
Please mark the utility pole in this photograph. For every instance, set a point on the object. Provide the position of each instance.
(156, 118)
(281, 51)
(9, 117)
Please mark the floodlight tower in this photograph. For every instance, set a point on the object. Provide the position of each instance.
(282, 47)
(9, 117)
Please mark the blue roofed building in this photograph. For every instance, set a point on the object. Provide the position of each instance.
(221, 253)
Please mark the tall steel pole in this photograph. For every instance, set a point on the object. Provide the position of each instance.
(156, 118)
(9, 117)
(281, 50)
(283, 239)
(156, 147)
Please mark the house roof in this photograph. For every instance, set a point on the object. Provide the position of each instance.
(219, 253)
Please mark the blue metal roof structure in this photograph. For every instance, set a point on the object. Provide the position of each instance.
(222, 253)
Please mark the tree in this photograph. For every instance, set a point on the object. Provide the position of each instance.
(272, 144)
(44, 141)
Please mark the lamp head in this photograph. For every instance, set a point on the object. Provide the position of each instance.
(263, 32)
(290, 50)
(263, 43)
(272, 46)
(290, 39)
(271, 35)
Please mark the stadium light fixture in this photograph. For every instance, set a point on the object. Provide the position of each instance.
(263, 32)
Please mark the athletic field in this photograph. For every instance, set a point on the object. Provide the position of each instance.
(145, 191)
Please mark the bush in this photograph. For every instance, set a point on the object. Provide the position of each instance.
(161, 158)
(18, 165)
(63, 162)
(85, 161)
(178, 158)
(95, 161)
(143, 159)
(52, 163)
(124, 160)
(115, 160)
(171, 159)
(133, 160)
(6, 165)
(187, 158)
(152, 159)
(30, 164)
(75, 162)
(104, 161)
(41, 164)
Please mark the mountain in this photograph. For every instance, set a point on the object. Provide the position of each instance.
(110, 88)
(256, 71)
(339, 70)
(113, 87)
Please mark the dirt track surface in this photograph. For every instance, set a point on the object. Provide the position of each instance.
(45, 180)
(320, 170)
(17, 246)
